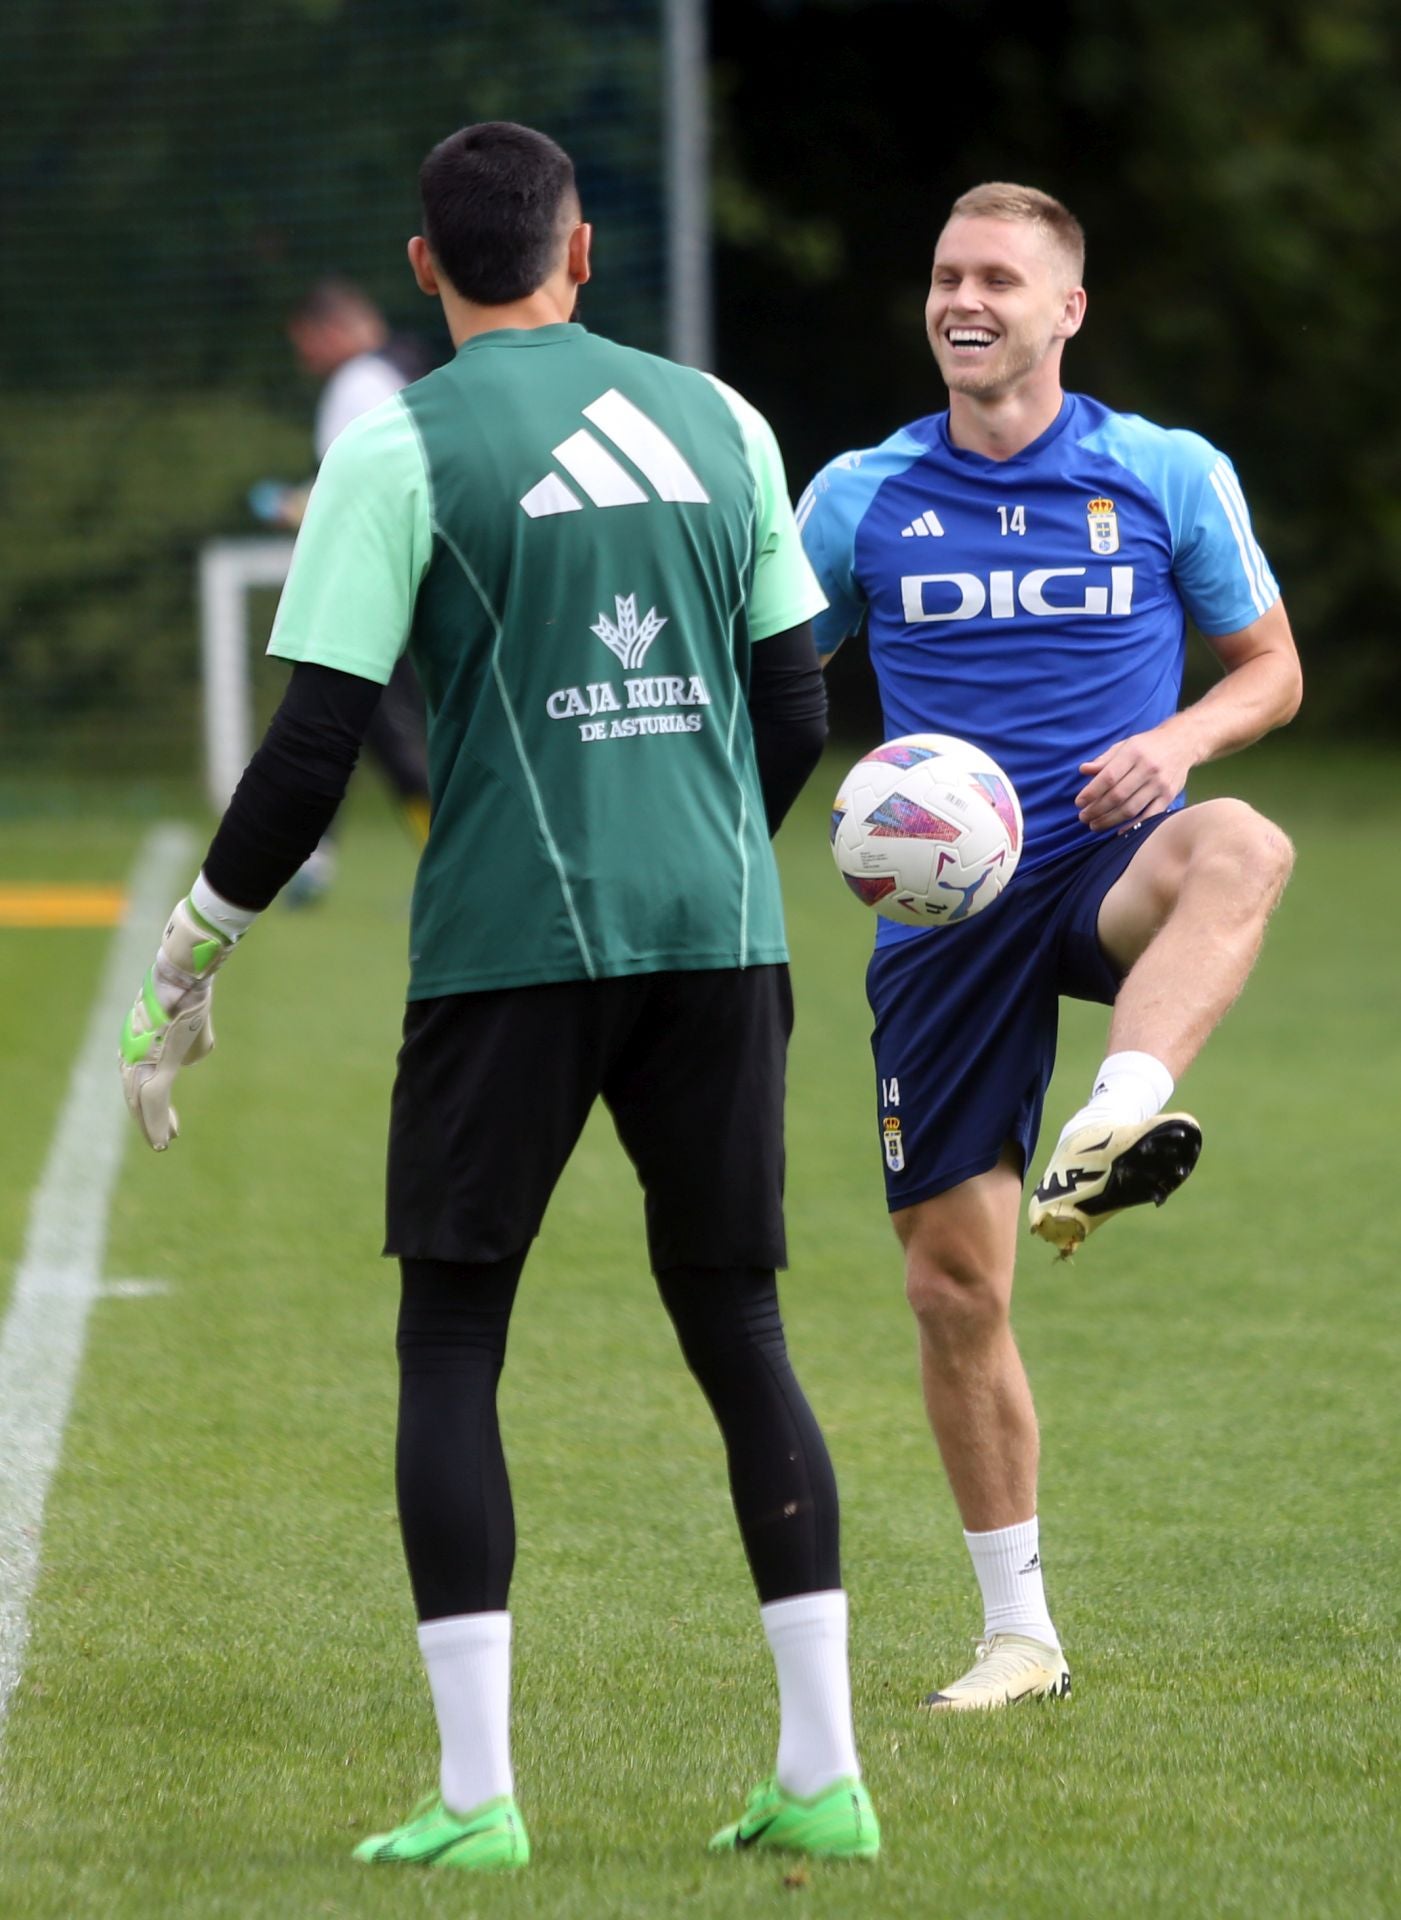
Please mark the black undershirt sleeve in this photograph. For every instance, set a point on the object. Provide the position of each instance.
(788, 712)
(293, 784)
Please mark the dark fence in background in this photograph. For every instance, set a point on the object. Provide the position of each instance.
(173, 175)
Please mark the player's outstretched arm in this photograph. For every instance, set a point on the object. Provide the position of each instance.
(361, 554)
(1259, 690)
(284, 803)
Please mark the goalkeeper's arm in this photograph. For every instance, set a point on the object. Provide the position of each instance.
(788, 712)
(283, 804)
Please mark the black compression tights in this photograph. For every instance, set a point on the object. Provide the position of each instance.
(781, 1478)
(450, 1473)
(454, 1495)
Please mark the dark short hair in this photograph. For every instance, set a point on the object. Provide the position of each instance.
(497, 201)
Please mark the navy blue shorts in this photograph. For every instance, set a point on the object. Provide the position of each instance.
(966, 1019)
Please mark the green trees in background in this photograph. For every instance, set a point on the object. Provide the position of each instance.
(1236, 169)
(1262, 303)
(106, 498)
(174, 172)
(173, 175)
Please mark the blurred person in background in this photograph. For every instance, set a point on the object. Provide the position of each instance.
(341, 338)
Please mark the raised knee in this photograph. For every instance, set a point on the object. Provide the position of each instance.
(1246, 850)
(1276, 855)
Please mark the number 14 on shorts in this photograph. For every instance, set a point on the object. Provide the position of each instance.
(890, 1126)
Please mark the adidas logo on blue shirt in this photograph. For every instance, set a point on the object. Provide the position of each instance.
(926, 524)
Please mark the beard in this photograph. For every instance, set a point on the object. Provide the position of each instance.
(1007, 365)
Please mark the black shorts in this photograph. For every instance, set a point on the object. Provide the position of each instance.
(493, 1090)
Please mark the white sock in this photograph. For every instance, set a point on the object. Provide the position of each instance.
(816, 1740)
(1008, 1565)
(468, 1657)
(1128, 1087)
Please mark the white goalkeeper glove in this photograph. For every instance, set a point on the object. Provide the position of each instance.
(169, 1027)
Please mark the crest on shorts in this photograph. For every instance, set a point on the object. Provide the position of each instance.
(894, 1145)
(1104, 526)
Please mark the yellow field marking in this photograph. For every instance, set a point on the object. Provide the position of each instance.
(46, 905)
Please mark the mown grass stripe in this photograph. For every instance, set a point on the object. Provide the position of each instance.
(60, 1270)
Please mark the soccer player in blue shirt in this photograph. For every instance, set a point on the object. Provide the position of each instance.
(1025, 564)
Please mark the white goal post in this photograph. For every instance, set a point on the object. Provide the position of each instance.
(229, 570)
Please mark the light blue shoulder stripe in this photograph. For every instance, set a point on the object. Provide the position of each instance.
(1170, 461)
(829, 514)
(1221, 572)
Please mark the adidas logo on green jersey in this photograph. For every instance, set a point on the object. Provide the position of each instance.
(606, 482)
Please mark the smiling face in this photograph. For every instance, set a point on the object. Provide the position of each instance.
(1002, 302)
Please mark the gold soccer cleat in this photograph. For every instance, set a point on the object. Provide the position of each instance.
(1100, 1170)
(1007, 1667)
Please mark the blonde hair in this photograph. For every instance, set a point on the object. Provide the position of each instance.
(1004, 200)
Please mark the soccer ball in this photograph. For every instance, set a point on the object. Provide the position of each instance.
(927, 830)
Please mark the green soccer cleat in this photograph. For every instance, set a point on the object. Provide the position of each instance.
(490, 1839)
(838, 1824)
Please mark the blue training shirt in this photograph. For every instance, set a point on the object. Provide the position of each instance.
(1036, 606)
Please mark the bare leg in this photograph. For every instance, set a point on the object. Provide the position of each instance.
(959, 1250)
(1187, 919)
(1184, 923)
(959, 1254)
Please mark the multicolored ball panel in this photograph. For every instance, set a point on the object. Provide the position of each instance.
(995, 792)
(880, 887)
(900, 818)
(900, 753)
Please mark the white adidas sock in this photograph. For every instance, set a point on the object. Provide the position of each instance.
(1007, 1562)
(816, 1740)
(468, 1657)
(1128, 1087)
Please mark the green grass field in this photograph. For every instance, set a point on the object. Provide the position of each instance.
(221, 1690)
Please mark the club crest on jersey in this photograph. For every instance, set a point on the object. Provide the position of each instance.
(1104, 526)
(894, 1144)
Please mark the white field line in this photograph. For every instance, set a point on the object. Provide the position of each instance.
(60, 1271)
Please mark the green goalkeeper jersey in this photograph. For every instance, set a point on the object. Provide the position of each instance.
(578, 544)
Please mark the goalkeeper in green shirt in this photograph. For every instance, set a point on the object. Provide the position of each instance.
(590, 556)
